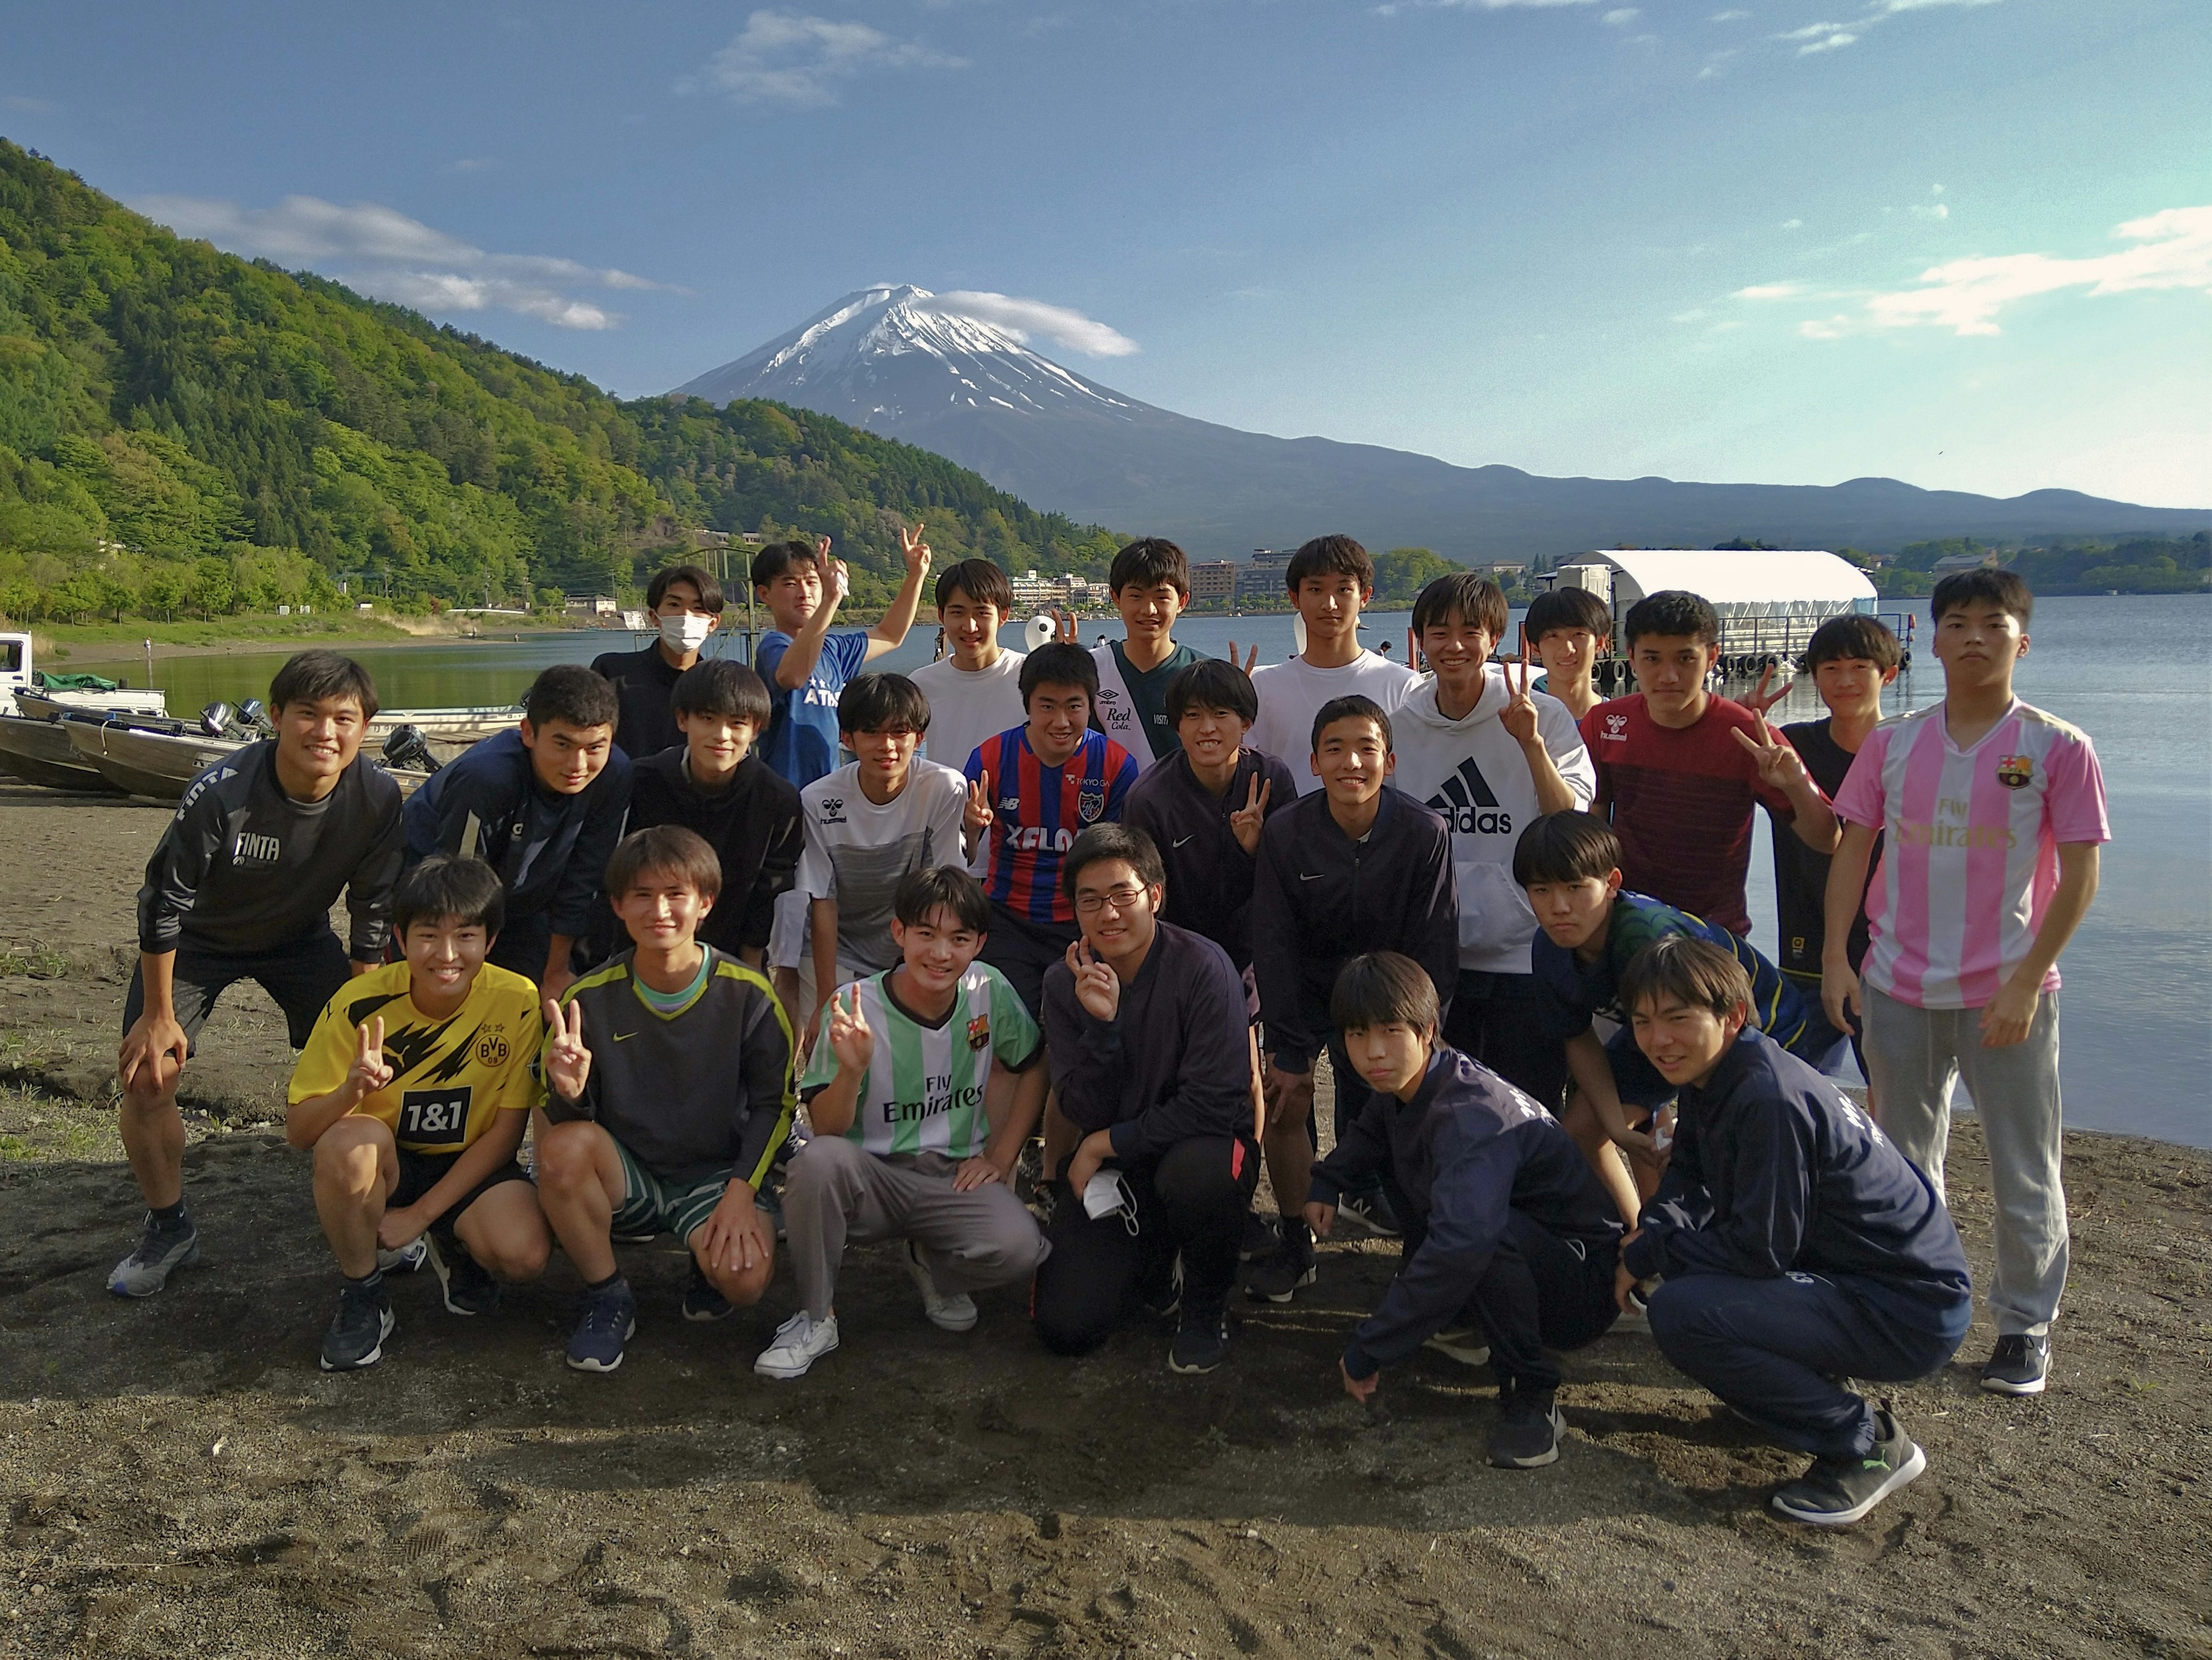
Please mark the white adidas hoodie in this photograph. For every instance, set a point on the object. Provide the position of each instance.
(1473, 773)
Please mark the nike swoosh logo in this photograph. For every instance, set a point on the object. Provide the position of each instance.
(1315, 877)
(1186, 839)
(625, 1036)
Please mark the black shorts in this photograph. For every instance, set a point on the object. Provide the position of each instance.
(301, 976)
(1023, 950)
(419, 1172)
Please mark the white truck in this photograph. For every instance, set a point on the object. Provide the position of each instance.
(21, 692)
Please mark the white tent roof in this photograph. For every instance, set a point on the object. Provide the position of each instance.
(1778, 578)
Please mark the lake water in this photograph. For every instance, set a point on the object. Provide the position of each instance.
(2135, 673)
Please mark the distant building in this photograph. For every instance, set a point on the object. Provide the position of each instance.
(1034, 593)
(589, 605)
(1265, 574)
(1212, 579)
(1502, 570)
(1950, 563)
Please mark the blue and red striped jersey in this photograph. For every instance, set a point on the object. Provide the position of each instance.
(1037, 811)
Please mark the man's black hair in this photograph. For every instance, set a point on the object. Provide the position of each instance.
(1353, 708)
(1858, 635)
(1566, 847)
(777, 557)
(1681, 968)
(882, 702)
(719, 686)
(309, 677)
(570, 692)
(443, 888)
(1987, 584)
(710, 591)
(1567, 608)
(1329, 556)
(1384, 988)
(1123, 842)
(670, 850)
(1672, 611)
(921, 891)
(983, 581)
(1148, 562)
(1211, 684)
(1058, 664)
(1473, 598)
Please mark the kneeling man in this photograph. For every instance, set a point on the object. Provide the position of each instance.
(1796, 1245)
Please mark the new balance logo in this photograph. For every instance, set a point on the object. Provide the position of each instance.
(1470, 805)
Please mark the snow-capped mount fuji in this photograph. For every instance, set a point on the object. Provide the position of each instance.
(898, 361)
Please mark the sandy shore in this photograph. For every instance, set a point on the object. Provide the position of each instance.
(180, 1478)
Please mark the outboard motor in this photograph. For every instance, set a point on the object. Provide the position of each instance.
(409, 748)
(254, 713)
(216, 719)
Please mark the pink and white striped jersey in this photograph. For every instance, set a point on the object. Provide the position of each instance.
(1970, 855)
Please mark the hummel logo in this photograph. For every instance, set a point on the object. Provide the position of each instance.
(1470, 805)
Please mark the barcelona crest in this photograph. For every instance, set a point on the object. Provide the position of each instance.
(2015, 772)
(979, 1032)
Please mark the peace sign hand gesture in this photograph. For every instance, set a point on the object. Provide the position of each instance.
(567, 1062)
(1250, 658)
(1779, 765)
(1097, 988)
(915, 551)
(370, 1071)
(1763, 700)
(850, 1037)
(1246, 822)
(975, 817)
(1069, 625)
(1518, 717)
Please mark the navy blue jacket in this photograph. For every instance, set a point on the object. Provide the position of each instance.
(1466, 1151)
(1775, 1171)
(549, 849)
(1319, 898)
(1209, 873)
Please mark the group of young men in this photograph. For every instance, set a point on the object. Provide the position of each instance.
(1124, 900)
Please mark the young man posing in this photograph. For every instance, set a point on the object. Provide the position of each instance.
(686, 603)
(868, 826)
(1790, 1245)
(668, 1079)
(414, 1091)
(1150, 584)
(1679, 769)
(240, 888)
(1147, 1029)
(1566, 629)
(1356, 867)
(1590, 929)
(1490, 756)
(1992, 813)
(903, 1144)
(1510, 1240)
(1330, 578)
(541, 805)
(1032, 790)
(974, 689)
(805, 663)
(714, 785)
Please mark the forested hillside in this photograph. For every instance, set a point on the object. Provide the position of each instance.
(182, 431)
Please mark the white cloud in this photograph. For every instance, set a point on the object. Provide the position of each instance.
(384, 252)
(788, 58)
(1023, 319)
(1830, 37)
(1793, 224)
(1728, 16)
(1392, 8)
(1770, 291)
(1931, 210)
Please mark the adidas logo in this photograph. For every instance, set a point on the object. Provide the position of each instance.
(1470, 805)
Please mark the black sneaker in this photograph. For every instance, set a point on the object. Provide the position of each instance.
(2019, 1364)
(1529, 1425)
(1163, 1296)
(1836, 1491)
(1261, 1237)
(466, 1288)
(702, 1302)
(1278, 1278)
(1372, 1209)
(357, 1331)
(1201, 1343)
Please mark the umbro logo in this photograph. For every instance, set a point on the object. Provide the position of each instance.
(1470, 805)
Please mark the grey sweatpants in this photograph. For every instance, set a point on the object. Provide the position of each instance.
(1914, 1056)
(835, 1194)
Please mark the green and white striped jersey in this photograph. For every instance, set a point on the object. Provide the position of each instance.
(924, 1091)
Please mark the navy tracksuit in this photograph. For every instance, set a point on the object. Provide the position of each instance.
(1505, 1223)
(1798, 1246)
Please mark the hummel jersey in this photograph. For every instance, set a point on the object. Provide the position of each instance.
(451, 1078)
(1037, 811)
(924, 1088)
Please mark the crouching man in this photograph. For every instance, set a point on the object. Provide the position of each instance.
(1791, 1245)
(1510, 1239)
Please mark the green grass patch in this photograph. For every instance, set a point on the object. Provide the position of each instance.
(33, 962)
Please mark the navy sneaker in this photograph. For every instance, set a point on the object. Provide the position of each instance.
(1202, 1341)
(608, 1322)
(1372, 1208)
(702, 1302)
(465, 1287)
(1526, 1435)
(1279, 1278)
(358, 1329)
(2019, 1364)
(1261, 1238)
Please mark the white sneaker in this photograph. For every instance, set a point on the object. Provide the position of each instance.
(407, 1259)
(953, 1313)
(799, 1342)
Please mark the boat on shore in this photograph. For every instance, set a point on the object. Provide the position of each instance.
(139, 760)
(39, 752)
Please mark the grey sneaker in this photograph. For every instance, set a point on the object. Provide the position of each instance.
(955, 1312)
(2019, 1364)
(1836, 1491)
(358, 1329)
(407, 1259)
(161, 1252)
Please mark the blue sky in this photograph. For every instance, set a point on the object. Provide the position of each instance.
(1966, 243)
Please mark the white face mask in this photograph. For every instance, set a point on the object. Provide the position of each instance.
(686, 633)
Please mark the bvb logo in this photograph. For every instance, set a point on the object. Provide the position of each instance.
(492, 1050)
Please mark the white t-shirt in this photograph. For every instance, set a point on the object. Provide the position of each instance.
(966, 707)
(1292, 693)
(857, 852)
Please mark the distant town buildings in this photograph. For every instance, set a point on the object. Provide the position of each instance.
(1214, 581)
(1034, 593)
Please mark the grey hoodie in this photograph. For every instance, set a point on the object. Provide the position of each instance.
(1473, 773)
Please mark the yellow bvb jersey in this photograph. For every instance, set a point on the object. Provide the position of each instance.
(451, 1078)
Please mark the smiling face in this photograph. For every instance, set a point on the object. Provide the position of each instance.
(1458, 647)
(1148, 609)
(1851, 685)
(793, 594)
(1571, 913)
(1393, 1059)
(443, 956)
(714, 745)
(1684, 1042)
(971, 628)
(1118, 914)
(886, 756)
(938, 950)
(1978, 643)
(1567, 652)
(1671, 670)
(317, 739)
(1211, 737)
(661, 909)
(1329, 605)
(1058, 716)
(566, 757)
(1352, 760)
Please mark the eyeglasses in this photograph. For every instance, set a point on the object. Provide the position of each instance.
(1090, 904)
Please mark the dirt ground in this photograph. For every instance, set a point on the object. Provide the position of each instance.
(179, 1479)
